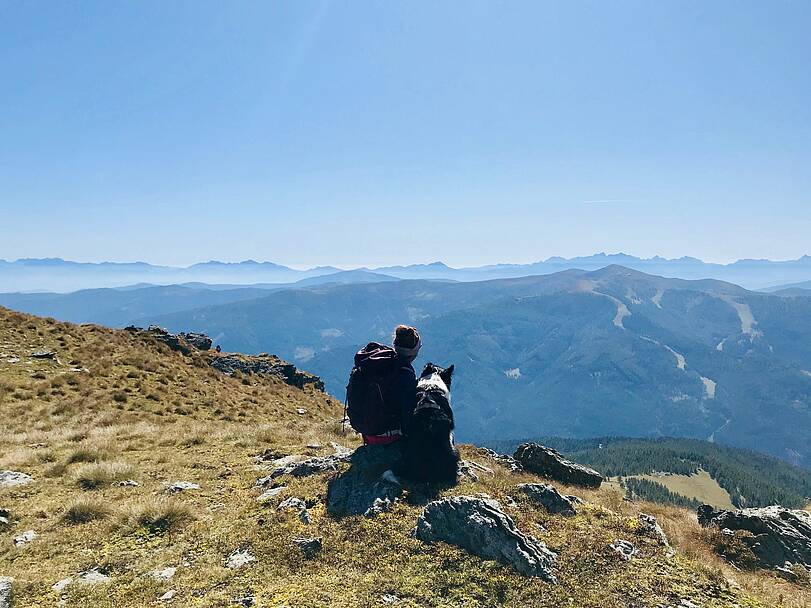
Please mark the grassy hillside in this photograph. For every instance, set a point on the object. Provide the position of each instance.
(750, 479)
(118, 406)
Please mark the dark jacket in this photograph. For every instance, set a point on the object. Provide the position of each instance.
(401, 394)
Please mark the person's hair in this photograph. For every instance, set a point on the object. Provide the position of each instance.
(406, 336)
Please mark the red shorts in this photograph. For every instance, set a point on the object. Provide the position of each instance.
(385, 439)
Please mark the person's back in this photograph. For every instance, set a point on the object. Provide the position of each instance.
(397, 387)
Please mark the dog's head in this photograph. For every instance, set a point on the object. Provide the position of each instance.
(436, 376)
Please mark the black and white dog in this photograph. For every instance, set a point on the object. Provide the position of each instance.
(429, 452)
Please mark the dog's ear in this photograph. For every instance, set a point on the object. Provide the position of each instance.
(446, 375)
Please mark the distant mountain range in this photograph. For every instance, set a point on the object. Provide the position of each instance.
(57, 275)
(574, 353)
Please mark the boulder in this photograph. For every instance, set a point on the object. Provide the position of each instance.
(368, 487)
(780, 536)
(309, 547)
(267, 365)
(547, 462)
(5, 591)
(548, 496)
(198, 341)
(479, 526)
(14, 478)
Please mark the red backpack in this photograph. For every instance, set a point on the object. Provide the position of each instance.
(365, 394)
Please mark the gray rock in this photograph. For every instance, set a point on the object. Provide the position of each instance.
(780, 535)
(61, 585)
(549, 463)
(548, 496)
(181, 486)
(479, 526)
(5, 591)
(270, 493)
(266, 365)
(93, 577)
(246, 600)
(24, 538)
(368, 487)
(472, 469)
(163, 575)
(168, 596)
(302, 468)
(129, 483)
(239, 559)
(505, 459)
(197, 340)
(309, 547)
(43, 354)
(14, 478)
(650, 526)
(624, 549)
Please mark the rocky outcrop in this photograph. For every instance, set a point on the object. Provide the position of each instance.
(268, 365)
(301, 468)
(366, 488)
(649, 526)
(505, 459)
(779, 536)
(549, 463)
(5, 591)
(479, 526)
(14, 478)
(548, 496)
(198, 341)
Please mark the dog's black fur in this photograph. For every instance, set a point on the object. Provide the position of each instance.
(429, 453)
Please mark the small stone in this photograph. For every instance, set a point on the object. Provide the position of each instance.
(624, 549)
(60, 586)
(5, 591)
(43, 354)
(14, 478)
(128, 483)
(650, 526)
(24, 538)
(292, 503)
(309, 546)
(168, 595)
(165, 574)
(181, 486)
(314, 446)
(271, 493)
(247, 601)
(93, 577)
(389, 598)
(301, 411)
(239, 558)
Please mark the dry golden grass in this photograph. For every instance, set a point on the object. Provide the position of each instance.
(181, 420)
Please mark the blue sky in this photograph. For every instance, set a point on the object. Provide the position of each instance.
(353, 133)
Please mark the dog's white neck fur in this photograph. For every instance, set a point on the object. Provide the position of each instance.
(434, 381)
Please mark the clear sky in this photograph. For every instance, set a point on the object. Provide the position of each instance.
(353, 133)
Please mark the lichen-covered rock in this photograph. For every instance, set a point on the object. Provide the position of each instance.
(14, 478)
(779, 535)
(302, 468)
(309, 547)
(550, 463)
(548, 496)
(508, 461)
(624, 549)
(5, 591)
(479, 526)
(267, 365)
(181, 486)
(368, 488)
(650, 526)
(239, 558)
